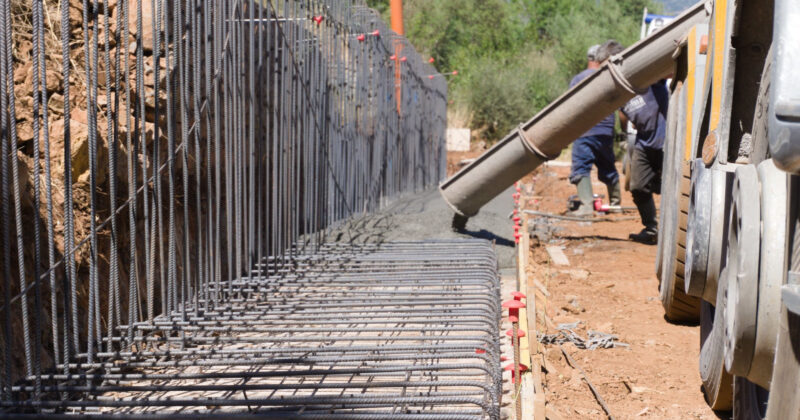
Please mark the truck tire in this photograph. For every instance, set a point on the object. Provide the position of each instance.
(667, 217)
(717, 383)
(749, 400)
(678, 306)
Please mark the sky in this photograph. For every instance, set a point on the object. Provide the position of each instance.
(673, 7)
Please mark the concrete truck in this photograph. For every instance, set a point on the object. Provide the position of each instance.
(729, 238)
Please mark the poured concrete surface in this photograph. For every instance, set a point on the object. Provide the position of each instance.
(426, 216)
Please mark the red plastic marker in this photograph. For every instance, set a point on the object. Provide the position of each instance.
(518, 295)
(318, 19)
(376, 33)
(431, 60)
(513, 306)
(361, 38)
(392, 57)
(516, 219)
(480, 351)
(512, 318)
(517, 236)
(455, 72)
(522, 367)
(430, 77)
(510, 367)
(520, 333)
(403, 59)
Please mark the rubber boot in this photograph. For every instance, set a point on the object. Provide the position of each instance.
(615, 197)
(647, 211)
(586, 208)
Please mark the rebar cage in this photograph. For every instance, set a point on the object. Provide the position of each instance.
(167, 173)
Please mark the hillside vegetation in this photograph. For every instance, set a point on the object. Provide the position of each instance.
(513, 56)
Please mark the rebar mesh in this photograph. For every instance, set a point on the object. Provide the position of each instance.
(168, 170)
(400, 330)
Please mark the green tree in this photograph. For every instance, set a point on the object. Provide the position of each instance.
(513, 56)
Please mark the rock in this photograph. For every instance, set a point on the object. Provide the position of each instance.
(573, 306)
(24, 132)
(56, 104)
(80, 116)
(147, 23)
(53, 81)
(79, 150)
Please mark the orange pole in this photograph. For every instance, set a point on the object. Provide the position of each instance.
(397, 16)
(397, 27)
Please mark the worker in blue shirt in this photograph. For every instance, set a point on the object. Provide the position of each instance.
(595, 147)
(648, 114)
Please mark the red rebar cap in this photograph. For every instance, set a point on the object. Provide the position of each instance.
(516, 237)
(513, 304)
(361, 38)
(522, 368)
(480, 351)
(516, 219)
(431, 60)
(376, 33)
(403, 59)
(455, 72)
(318, 19)
(503, 358)
(510, 366)
(392, 57)
(430, 77)
(513, 318)
(520, 333)
(518, 295)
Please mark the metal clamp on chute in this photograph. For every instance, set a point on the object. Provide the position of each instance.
(614, 67)
(532, 146)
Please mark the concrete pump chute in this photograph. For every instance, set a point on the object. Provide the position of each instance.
(563, 121)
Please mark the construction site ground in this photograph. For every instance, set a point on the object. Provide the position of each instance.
(608, 286)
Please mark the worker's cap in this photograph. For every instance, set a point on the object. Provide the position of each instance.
(591, 54)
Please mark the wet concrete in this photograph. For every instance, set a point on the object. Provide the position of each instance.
(426, 216)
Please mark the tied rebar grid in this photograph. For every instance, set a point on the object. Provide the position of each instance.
(362, 332)
(187, 157)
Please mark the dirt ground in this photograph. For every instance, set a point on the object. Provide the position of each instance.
(610, 286)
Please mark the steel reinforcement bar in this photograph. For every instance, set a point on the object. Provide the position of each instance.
(400, 330)
(168, 167)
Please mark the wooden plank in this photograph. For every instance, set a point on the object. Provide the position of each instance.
(557, 255)
(531, 392)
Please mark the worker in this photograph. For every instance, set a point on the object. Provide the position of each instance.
(648, 114)
(595, 147)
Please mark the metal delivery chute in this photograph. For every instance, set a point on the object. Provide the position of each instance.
(568, 117)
